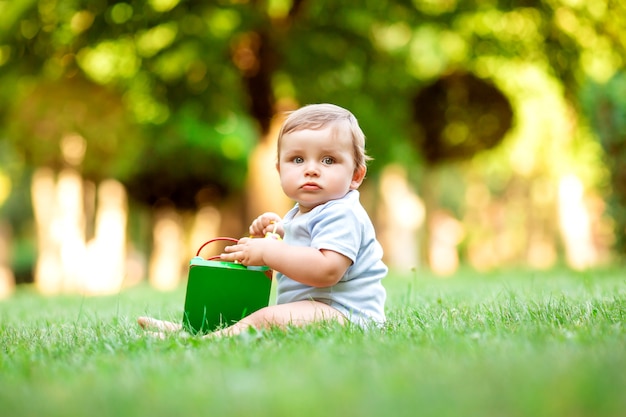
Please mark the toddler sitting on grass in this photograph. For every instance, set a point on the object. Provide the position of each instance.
(329, 264)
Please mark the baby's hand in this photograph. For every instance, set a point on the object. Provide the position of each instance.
(249, 251)
(266, 223)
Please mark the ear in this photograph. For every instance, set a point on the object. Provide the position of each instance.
(278, 166)
(358, 177)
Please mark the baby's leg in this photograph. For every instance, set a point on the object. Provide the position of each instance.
(298, 313)
(160, 325)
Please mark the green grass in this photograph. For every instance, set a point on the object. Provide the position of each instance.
(505, 344)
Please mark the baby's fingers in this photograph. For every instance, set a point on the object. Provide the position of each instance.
(256, 228)
(261, 224)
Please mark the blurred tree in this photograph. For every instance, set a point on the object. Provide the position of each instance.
(605, 105)
(163, 67)
(182, 68)
(46, 119)
(199, 82)
(568, 41)
(460, 115)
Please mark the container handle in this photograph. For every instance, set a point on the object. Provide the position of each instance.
(268, 273)
(223, 239)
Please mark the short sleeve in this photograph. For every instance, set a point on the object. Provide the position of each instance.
(336, 228)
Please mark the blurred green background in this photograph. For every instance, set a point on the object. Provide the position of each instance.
(132, 132)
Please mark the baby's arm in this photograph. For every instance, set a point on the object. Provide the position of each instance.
(307, 265)
(310, 266)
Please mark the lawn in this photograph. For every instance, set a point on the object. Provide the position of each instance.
(516, 343)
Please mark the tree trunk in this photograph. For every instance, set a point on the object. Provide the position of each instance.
(58, 219)
(166, 267)
(264, 192)
(105, 270)
(575, 224)
(65, 262)
(7, 280)
(401, 217)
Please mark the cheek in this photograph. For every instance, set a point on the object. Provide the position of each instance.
(286, 175)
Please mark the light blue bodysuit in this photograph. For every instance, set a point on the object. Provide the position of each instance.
(342, 226)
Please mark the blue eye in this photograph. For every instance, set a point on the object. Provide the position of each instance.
(328, 160)
(298, 160)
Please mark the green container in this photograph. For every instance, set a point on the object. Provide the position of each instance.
(220, 293)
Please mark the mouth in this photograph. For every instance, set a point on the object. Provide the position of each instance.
(310, 186)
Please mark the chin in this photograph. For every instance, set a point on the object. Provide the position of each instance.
(309, 205)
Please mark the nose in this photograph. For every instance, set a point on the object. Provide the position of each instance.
(311, 169)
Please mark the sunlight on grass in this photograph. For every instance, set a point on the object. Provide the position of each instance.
(537, 344)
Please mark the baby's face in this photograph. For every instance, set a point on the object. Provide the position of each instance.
(317, 166)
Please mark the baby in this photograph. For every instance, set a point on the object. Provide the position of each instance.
(328, 263)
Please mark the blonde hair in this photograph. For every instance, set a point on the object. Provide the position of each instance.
(319, 116)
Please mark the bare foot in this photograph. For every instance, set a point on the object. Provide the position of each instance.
(157, 335)
(160, 325)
